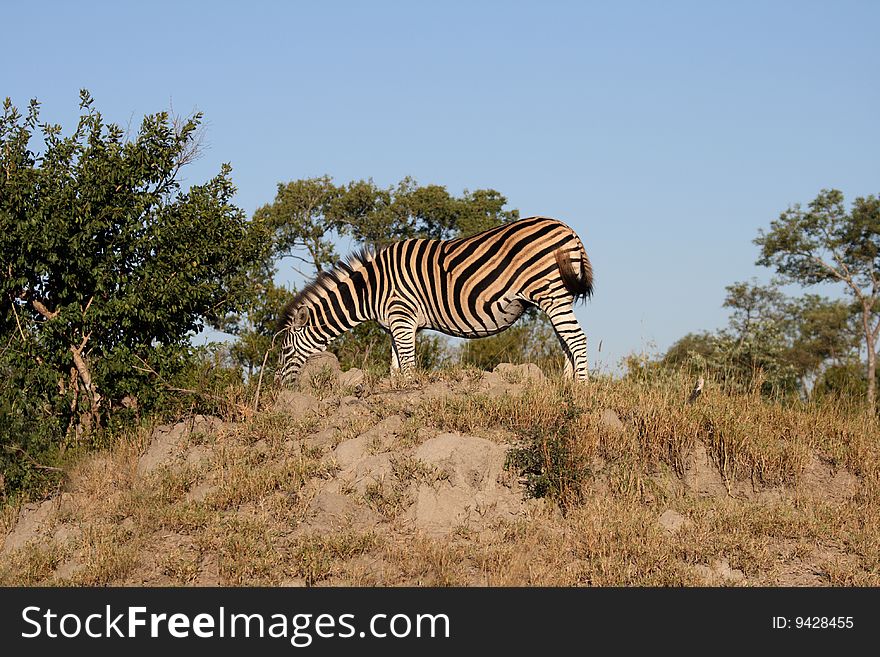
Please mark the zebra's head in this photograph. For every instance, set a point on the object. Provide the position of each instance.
(301, 339)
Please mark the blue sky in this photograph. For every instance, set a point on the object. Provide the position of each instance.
(665, 133)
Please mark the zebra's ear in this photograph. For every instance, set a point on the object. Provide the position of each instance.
(301, 318)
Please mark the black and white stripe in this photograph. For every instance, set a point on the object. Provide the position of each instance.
(469, 287)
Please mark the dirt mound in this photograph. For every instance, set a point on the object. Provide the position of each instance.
(384, 486)
(168, 442)
(449, 482)
(701, 476)
(322, 372)
(472, 488)
(821, 479)
(33, 524)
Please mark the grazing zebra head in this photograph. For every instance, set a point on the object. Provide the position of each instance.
(324, 309)
(469, 287)
(299, 342)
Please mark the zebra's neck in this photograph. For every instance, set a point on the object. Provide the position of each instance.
(343, 297)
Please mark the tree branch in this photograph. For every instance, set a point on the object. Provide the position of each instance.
(43, 310)
(15, 448)
(8, 344)
(84, 374)
(841, 276)
(17, 322)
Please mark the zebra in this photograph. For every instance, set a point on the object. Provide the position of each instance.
(468, 287)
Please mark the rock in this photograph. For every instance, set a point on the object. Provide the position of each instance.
(467, 460)
(378, 439)
(349, 408)
(69, 569)
(509, 379)
(437, 390)
(332, 510)
(663, 483)
(67, 504)
(32, 520)
(331, 503)
(821, 480)
(199, 456)
(366, 472)
(720, 572)
(209, 571)
(510, 389)
(296, 404)
(168, 441)
(349, 451)
(441, 510)
(295, 582)
(472, 492)
(324, 438)
(672, 521)
(490, 380)
(353, 378)
(772, 495)
(610, 420)
(67, 534)
(404, 400)
(700, 474)
(319, 372)
(200, 492)
(203, 424)
(383, 432)
(519, 373)
(492, 384)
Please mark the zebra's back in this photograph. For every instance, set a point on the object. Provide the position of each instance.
(480, 285)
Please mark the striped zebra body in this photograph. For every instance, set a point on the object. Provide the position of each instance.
(469, 287)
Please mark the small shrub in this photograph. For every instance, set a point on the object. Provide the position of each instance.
(552, 462)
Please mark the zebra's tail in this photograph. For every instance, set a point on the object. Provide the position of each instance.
(576, 272)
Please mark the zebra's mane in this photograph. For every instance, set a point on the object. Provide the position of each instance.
(326, 280)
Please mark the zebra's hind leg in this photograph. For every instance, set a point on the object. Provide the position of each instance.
(571, 337)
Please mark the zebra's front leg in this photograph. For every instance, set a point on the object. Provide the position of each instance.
(571, 338)
(403, 347)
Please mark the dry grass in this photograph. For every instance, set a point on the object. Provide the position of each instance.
(747, 437)
(232, 517)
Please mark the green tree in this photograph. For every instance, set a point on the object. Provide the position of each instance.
(824, 334)
(256, 327)
(787, 342)
(311, 214)
(361, 212)
(298, 221)
(108, 265)
(691, 347)
(376, 217)
(825, 243)
(842, 381)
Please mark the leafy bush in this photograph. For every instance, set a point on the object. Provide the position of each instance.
(551, 461)
(108, 267)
